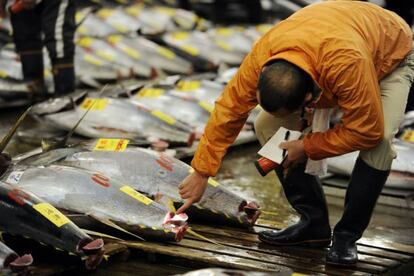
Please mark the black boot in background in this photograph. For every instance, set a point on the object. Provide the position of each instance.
(33, 74)
(304, 193)
(361, 196)
(64, 79)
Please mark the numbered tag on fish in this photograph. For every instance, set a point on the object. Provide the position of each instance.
(135, 9)
(94, 104)
(51, 213)
(93, 60)
(224, 45)
(213, 182)
(206, 106)
(189, 49)
(111, 145)
(135, 194)
(180, 35)
(85, 41)
(163, 117)
(188, 85)
(150, 93)
(105, 13)
(166, 52)
(14, 177)
(408, 135)
(224, 31)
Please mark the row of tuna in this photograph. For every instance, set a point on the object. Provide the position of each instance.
(173, 110)
(110, 48)
(105, 186)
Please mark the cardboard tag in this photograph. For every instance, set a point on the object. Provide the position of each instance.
(164, 117)
(213, 182)
(135, 194)
(408, 135)
(166, 52)
(271, 149)
(150, 93)
(188, 85)
(206, 106)
(189, 49)
(111, 145)
(51, 213)
(94, 104)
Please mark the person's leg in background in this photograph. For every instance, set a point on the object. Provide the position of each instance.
(372, 168)
(58, 26)
(303, 191)
(28, 42)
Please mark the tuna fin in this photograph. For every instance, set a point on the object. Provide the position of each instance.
(99, 234)
(197, 235)
(13, 129)
(115, 226)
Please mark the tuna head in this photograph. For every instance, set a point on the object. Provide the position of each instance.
(24, 214)
(10, 259)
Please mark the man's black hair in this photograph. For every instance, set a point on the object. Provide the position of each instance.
(283, 85)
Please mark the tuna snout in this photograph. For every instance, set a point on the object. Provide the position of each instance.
(251, 210)
(95, 251)
(177, 224)
(19, 263)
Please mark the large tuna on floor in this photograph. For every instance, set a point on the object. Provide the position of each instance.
(112, 118)
(158, 176)
(24, 214)
(107, 200)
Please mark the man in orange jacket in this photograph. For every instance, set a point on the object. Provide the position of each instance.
(353, 55)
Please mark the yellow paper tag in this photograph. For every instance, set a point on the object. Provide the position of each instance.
(150, 93)
(135, 194)
(85, 41)
(180, 35)
(213, 182)
(408, 135)
(51, 213)
(111, 145)
(93, 60)
(78, 17)
(164, 117)
(189, 49)
(3, 74)
(224, 45)
(165, 52)
(188, 85)
(134, 9)
(114, 39)
(206, 106)
(94, 104)
(130, 51)
(120, 27)
(224, 31)
(105, 55)
(263, 27)
(104, 13)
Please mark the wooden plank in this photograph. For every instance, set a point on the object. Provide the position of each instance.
(206, 257)
(244, 236)
(297, 264)
(294, 252)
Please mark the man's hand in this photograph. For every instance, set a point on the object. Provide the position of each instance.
(295, 153)
(192, 189)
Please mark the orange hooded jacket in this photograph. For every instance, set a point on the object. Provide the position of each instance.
(346, 47)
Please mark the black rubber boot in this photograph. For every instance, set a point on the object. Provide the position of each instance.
(304, 192)
(33, 75)
(64, 79)
(361, 196)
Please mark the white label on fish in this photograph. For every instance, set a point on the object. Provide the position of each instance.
(14, 177)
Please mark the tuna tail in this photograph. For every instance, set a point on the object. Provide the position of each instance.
(169, 203)
(19, 264)
(115, 226)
